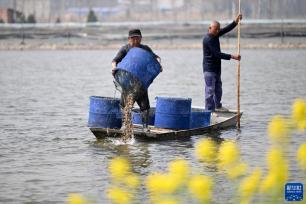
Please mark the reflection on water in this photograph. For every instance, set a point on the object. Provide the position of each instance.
(46, 150)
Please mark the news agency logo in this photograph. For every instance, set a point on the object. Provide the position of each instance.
(294, 191)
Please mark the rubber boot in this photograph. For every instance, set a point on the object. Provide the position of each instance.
(145, 120)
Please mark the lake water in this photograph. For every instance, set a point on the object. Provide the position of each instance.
(47, 151)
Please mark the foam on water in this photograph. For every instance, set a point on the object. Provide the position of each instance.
(128, 141)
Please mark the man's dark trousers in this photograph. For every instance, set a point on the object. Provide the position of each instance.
(213, 91)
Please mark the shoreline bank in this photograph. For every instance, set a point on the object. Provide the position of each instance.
(51, 46)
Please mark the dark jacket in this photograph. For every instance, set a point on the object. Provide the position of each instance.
(212, 54)
(125, 49)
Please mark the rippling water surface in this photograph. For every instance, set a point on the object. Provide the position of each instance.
(46, 150)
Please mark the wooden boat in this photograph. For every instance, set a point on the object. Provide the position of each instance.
(219, 120)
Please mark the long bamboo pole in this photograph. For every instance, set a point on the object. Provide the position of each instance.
(238, 72)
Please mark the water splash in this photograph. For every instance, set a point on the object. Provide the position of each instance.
(129, 141)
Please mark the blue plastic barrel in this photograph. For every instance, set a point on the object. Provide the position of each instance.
(199, 119)
(173, 113)
(142, 64)
(104, 112)
(137, 117)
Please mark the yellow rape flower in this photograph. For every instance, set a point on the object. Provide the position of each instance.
(301, 125)
(276, 160)
(245, 201)
(132, 181)
(299, 114)
(119, 167)
(236, 170)
(167, 201)
(179, 170)
(228, 154)
(301, 156)
(119, 196)
(153, 182)
(161, 183)
(278, 172)
(299, 110)
(278, 129)
(206, 150)
(249, 185)
(179, 166)
(75, 198)
(200, 186)
(270, 184)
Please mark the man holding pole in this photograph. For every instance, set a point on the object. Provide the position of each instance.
(212, 57)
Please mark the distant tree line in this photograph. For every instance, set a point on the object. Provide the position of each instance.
(30, 19)
(20, 18)
(91, 17)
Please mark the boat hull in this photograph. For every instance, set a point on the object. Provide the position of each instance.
(220, 120)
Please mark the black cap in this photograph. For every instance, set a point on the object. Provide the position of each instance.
(134, 33)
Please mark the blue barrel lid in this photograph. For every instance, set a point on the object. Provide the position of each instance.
(101, 104)
(173, 105)
(104, 98)
(173, 98)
